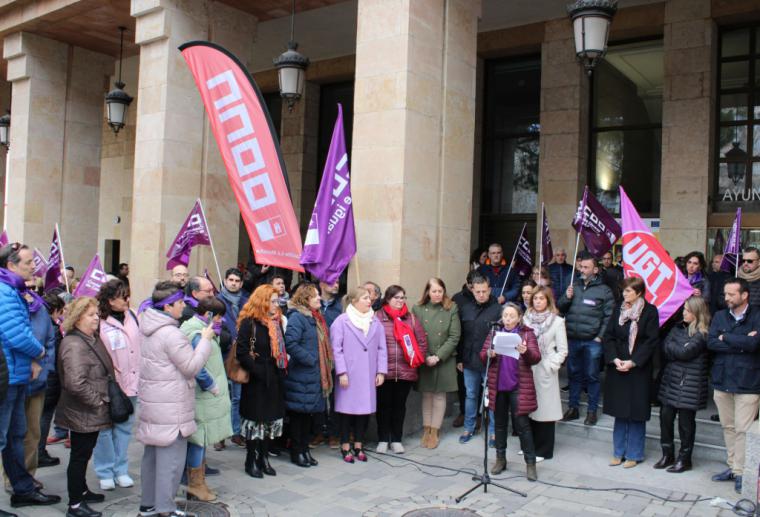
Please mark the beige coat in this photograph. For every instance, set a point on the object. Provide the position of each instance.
(166, 389)
(553, 346)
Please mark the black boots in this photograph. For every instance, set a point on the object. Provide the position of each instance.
(683, 463)
(500, 465)
(667, 457)
(251, 459)
(299, 458)
(263, 458)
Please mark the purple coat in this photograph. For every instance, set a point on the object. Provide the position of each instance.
(362, 358)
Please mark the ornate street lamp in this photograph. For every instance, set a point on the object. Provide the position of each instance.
(591, 26)
(291, 67)
(5, 130)
(736, 163)
(117, 100)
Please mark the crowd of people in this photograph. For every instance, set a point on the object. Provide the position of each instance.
(278, 368)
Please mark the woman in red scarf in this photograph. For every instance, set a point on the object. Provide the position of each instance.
(407, 347)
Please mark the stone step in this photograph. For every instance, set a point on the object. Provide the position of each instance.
(709, 444)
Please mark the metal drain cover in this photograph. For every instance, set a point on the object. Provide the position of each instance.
(442, 512)
(203, 509)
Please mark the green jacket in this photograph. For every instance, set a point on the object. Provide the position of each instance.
(212, 413)
(443, 329)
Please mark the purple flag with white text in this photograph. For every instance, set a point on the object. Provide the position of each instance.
(331, 239)
(92, 280)
(208, 277)
(733, 245)
(55, 263)
(600, 231)
(523, 257)
(194, 232)
(547, 252)
(4, 241)
(40, 264)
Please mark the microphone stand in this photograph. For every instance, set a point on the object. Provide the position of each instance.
(485, 479)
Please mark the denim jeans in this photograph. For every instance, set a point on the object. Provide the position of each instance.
(235, 389)
(628, 438)
(195, 454)
(473, 380)
(583, 363)
(12, 433)
(110, 457)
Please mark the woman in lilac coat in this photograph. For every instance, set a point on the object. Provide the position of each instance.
(361, 363)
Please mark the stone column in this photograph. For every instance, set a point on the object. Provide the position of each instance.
(299, 141)
(176, 159)
(414, 115)
(37, 70)
(563, 153)
(687, 149)
(5, 103)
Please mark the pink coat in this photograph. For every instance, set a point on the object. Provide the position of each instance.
(398, 368)
(166, 390)
(123, 344)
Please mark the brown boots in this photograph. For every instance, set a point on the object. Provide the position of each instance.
(429, 438)
(500, 465)
(196, 485)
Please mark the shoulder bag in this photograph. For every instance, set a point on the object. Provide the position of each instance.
(119, 405)
(235, 372)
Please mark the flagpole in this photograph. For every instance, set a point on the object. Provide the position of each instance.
(211, 243)
(63, 260)
(509, 270)
(575, 256)
(541, 246)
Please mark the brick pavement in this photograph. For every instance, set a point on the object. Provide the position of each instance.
(392, 487)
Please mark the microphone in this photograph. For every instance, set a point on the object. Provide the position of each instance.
(494, 323)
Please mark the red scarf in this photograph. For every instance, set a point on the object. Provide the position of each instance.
(404, 334)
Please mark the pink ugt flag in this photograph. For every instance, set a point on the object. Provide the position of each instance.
(644, 257)
(92, 280)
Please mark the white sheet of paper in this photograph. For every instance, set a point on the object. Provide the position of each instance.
(505, 343)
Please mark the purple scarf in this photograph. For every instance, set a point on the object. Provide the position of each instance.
(217, 326)
(192, 302)
(15, 281)
(696, 278)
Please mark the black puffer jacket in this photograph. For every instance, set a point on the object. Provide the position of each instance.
(754, 293)
(476, 323)
(589, 311)
(684, 379)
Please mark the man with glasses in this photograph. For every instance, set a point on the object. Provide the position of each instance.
(20, 349)
(198, 288)
(180, 275)
(750, 271)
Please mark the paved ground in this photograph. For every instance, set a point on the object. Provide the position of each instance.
(390, 486)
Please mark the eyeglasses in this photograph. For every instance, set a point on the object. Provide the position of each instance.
(399, 297)
(749, 261)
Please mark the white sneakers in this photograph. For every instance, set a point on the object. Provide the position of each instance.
(125, 481)
(382, 447)
(107, 484)
(121, 481)
(397, 448)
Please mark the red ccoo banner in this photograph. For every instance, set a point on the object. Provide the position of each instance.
(251, 154)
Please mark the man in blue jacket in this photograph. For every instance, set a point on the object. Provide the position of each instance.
(505, 285)
(735, 341)
(20, 348)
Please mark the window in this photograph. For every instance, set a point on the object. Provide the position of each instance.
(626, 126)
(738, 105)
(329, 97)
(511, 137)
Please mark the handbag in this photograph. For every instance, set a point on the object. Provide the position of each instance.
(119, 405)
(235, 372)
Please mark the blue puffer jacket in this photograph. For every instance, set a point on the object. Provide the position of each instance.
(303, 389)
(44, 332)
(19, 344)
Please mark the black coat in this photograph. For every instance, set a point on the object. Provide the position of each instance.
(626, 394)
(262, 397)
(588, 312)
(754, 293)
(476, 321)
(736, 362)
(684, 378)
(717, 300)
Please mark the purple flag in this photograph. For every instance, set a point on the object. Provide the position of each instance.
(733, 245)
(523, 255)
(40, 264)
(595, 224)
(4, 241)
(331, 239)
(92, 280)
(55, 263)
(208, 277)
(194, 232)
(547, 253)
(646, 258)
